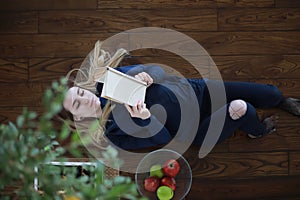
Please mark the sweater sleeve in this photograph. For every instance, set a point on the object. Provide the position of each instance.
(140, 134)
(157, 73)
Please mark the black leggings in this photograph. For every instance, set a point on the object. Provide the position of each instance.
(255, 96)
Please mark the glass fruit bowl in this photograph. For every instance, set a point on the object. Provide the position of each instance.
(159, 157)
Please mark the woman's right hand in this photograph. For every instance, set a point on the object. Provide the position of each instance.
(143, 76)
(139, 111)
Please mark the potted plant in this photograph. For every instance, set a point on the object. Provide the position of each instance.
(32, 141)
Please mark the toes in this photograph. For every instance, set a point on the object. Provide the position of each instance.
(294, 99)
(291, 105)
(275, 118)
(273, 130)
(295, 105)
(271, 123)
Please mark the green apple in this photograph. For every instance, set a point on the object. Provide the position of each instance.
(156, 170)
(164, 193)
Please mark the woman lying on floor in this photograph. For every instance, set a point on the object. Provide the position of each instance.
(158, 119)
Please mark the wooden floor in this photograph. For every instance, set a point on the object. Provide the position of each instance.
(249, 40)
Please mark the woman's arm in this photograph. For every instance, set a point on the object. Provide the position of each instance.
(132, 132)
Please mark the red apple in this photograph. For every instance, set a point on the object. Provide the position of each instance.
(168, 181)
(151, 183)
(171, 168)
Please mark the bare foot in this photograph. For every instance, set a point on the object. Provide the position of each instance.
(291, 105)
(271, 123)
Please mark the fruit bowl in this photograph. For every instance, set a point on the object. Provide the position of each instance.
(159, 157)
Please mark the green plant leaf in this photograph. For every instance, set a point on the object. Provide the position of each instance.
(119, 180)
(55, 85)
(13, 130)
(65, 131)
(34, 152)
(54, 143)
(33, 142)
(32, 115)
(20, 121)
(119, 190)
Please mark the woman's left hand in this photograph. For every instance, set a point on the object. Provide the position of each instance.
(143, 76)
(139, 111)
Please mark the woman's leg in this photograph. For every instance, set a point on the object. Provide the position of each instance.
(239, 115)
(259, 95)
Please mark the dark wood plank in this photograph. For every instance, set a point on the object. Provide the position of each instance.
(239, 165)
(245, 67)
(49, 69)
(13, 70)
(216, 43)
(220, 43)
(294, 164)
(259, 19)
(267, 188)
(52, 45)
(10, 114)
(47, 4)
(254, 43)
(18, 22)
(22, 94)
(287, 3)
(146, 4)
(193, 151)
(112, 21)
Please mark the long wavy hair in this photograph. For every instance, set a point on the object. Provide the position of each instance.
(87, 76)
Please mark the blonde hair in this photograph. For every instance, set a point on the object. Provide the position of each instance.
(91, 70)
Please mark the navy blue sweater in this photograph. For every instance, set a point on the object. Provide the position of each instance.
(174, 104)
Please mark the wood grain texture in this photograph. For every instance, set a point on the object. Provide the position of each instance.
(18, 22)
(55, 46)
(146, 4)
(215, 43)
(49, 69)
(240, 165)
(22, 94)
(254, 43)
(13, 70)
(259, 19)
(294, 163)
(287, 3)
(10, 114)
(267, 188)
(111, 21)
(252, 67)
(222, 43)
(47, 4)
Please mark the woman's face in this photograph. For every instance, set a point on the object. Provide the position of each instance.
(82, 103)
